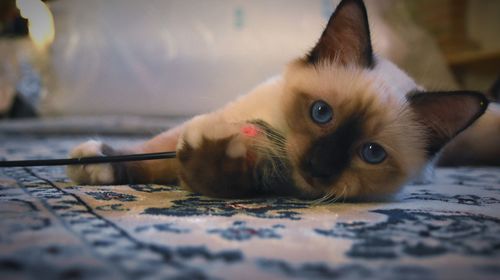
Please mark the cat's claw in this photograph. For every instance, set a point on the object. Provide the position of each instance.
(90, 173)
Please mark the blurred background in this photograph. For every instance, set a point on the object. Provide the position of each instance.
(177, 58)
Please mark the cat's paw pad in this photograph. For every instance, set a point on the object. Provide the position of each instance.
(90, 173)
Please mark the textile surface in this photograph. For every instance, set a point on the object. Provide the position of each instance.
(51, 228)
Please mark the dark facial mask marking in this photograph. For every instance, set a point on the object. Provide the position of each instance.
(331, 154)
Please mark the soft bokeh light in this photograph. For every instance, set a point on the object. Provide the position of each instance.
(40, 22)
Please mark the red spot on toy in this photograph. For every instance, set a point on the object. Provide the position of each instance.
(249, 130)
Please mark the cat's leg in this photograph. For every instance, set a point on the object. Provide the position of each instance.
(149, 171)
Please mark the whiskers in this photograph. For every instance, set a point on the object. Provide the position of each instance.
(333, 195)
(273, 167)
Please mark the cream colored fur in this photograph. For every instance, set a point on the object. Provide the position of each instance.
(92, 173)
(386, 84)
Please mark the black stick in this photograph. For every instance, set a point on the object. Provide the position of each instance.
(86, 160)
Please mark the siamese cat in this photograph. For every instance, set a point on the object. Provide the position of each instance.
(340, 122)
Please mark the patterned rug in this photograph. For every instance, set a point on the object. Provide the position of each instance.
(51, 228)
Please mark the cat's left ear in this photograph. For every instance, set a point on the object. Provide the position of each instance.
(346, 38)
(446, 114)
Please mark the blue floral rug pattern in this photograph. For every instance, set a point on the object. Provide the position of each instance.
(51, 228)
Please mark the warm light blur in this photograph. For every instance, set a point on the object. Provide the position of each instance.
(40, 22)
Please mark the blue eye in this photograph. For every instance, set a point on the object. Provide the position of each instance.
(321, 113)
(372, 153)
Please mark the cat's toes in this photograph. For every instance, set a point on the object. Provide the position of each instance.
(201, 133)
(90, 173)
(202, 128)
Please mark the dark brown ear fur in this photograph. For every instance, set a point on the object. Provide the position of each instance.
(446, 114)
(494, 91)
(346, 38)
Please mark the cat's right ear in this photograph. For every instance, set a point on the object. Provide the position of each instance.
(346, 38)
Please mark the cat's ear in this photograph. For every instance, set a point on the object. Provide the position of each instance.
(346, 38)
(446, 114)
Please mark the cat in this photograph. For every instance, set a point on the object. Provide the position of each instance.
(340, 122)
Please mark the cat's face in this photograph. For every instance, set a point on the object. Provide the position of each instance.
(338, 123)
(350, 135)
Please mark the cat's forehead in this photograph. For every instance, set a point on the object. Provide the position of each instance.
(325, 80)
(385, 82)
(350, 91)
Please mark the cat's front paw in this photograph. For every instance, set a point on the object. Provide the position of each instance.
(216, 160)
(92, 174)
